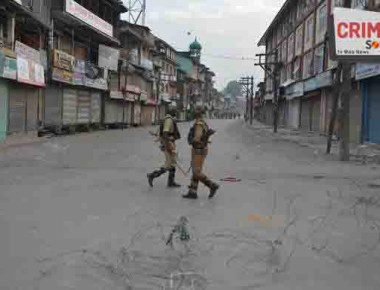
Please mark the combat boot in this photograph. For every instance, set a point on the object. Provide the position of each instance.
(154, 175)
(191, 195)
(213, 188)
(171, 179)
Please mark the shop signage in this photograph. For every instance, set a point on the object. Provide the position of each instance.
(144, 96)
(366, 70)
(80, 66)
(30, 72)
(320, 81)
(79, 79)
(27, 52)
(356, 33)
(63, 60)
(88, 17)
(99, 83)
(108, 57)
(133, 89)
(8, 67)
(294, 90)
(62, 76)
(117, 95)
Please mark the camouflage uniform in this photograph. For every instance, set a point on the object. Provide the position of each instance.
(199, 153)
(170, 134)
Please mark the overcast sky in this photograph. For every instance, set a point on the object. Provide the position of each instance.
(223, 27)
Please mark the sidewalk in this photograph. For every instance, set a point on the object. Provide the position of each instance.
(20, 140)
(365, 153)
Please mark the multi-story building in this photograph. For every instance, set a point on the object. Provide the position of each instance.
(84, 50)
(166, 75)
(299, 35)
(24, 26)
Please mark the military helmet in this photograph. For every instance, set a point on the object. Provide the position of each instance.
(199, 111)
(172, 109)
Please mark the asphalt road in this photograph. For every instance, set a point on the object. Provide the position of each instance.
(76, 212)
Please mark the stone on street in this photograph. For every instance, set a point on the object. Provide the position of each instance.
(77, 213)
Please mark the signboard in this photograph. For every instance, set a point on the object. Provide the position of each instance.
(366, 70)
(88, 17)
(62, 76)
(64, 60)
(100, 84)
(27, 52)
(8, 67)
(108, 57)
(294, 91)
(356, 34)
(320, 81)
(117, 95)
(30, 72)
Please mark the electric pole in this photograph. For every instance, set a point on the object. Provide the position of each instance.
(246, 83)
(342, 92)
(271, 69)
(251, 102)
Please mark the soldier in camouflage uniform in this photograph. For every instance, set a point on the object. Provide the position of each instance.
(168, 135)
(200, 140)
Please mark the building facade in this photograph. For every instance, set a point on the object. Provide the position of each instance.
(306, 75)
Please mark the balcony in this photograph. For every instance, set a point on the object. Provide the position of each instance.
(147, 64)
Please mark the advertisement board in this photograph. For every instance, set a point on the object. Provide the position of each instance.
(8, 67)
(108, 57)
(356, 34)
(30, 72)
(27, 52)
(366, 70)
(64, 60)
(88, 17)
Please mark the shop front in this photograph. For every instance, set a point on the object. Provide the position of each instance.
(148, 110)
(79, 93)
(369, 77)
(311, 102)
(25, 93)
(292, 95)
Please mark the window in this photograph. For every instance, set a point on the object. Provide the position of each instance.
(319, 59)
(284, 51)
(297, 69)
(289, 72)
(279, 31)
(309, 32)
(359, 4)
(321, 23)
(299, 40)
(336, 3)
(308, 65)
(300, 9)
(291, 47)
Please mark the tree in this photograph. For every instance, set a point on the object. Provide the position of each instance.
(233, 88)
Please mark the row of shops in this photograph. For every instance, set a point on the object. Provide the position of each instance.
(307, 105)
(28, 103)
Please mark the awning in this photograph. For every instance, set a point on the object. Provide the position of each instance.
(27, 12)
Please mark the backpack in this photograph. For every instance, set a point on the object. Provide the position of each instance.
(190, 135)
(176, 133)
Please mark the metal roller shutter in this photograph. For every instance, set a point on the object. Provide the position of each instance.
(17, 109)
(316, 111)
(111, 113)
(84, 107)
(305, 115)
(95, 107)
(137, 114)
(53, 105)
(69, 106)
(32, 109)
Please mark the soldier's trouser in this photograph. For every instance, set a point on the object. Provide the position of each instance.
(197, 162)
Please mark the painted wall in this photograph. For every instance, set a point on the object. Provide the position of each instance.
(3, 109)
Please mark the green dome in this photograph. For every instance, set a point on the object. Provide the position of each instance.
(195, 45)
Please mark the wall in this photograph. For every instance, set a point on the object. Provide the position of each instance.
(355, 115)
(3, 109)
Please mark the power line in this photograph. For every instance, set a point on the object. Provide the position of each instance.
(242, 58)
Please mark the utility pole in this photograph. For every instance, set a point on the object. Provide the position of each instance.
(251, 102)
(246, 84)
(272, 73)
(342, 91)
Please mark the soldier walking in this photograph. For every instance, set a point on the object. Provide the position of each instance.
(198, 138)
(168, 133)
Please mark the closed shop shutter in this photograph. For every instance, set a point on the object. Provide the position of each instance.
(112, 114)
(373, 111)
(69, 106)
(137, 114)
(316, 114)
(53, 105)
(95, 107)
(32, 109)
(84, 107)
(147, 115)
(305, 115)
(294, 111)
(17, 109)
